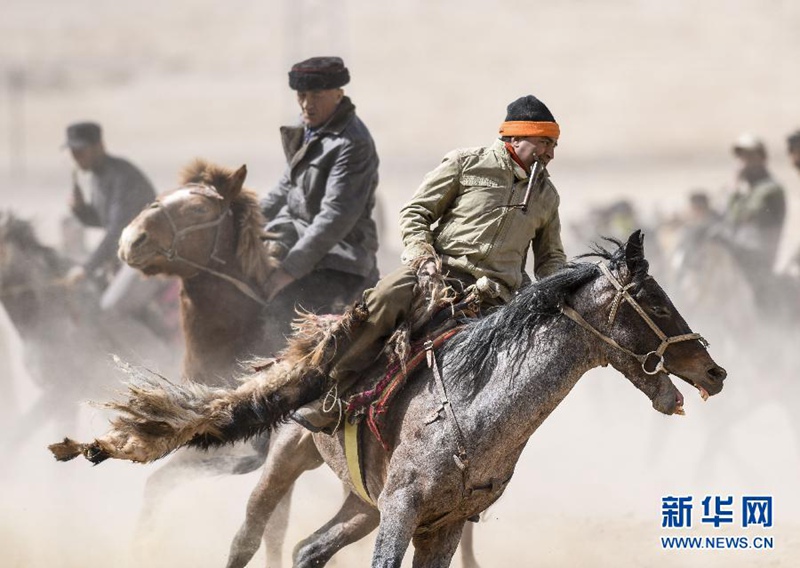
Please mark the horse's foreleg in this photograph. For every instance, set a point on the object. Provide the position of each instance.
(292, 452)
(354, 520)
(436, 549)
(398, 523)
(468, 559)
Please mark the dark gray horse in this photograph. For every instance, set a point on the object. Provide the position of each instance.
(502, 376)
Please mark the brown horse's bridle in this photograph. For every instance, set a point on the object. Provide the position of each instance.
(178, 235)
(622, 294)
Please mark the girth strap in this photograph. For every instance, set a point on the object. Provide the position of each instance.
(355, 465)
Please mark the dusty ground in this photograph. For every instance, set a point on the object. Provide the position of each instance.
(649, 95)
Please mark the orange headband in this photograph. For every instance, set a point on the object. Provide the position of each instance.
(529, 128)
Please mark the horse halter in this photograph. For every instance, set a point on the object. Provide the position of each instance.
(172, 253)
(622, 294)
(178, 234)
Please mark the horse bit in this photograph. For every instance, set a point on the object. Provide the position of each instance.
(623, 294)
(178, 235)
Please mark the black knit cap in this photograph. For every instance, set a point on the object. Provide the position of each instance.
(318, 73)
(528, 108)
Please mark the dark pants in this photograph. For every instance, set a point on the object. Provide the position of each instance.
(389, 304)
(320, 292)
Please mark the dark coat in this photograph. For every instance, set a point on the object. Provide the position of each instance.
(119, 192)
(322, 206)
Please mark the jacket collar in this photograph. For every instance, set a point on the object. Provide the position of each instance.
(292, 136)
(502, 154)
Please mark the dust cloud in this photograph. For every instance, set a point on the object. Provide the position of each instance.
(649, 95)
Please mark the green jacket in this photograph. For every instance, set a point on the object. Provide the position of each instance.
(755, 219)
(467, 194)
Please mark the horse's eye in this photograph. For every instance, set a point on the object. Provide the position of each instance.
(154, 205)
(660, 311)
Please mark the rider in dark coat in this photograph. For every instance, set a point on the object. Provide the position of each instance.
(119, 191)
(320, 213)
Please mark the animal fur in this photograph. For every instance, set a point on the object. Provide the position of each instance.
(431, 294)
(159, 416)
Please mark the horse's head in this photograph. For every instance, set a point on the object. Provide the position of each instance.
(210, 220)
(645, 336)
(27, 267)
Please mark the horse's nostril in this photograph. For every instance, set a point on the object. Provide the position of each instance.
(139, 240)
(717, 373)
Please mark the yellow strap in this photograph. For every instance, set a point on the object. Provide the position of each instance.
(352, 454)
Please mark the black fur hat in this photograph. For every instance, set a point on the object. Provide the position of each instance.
(528, 108)
(318, 73)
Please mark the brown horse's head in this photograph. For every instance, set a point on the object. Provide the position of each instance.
(210, 221)
(652, 338)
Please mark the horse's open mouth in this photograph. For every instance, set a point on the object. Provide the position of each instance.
(679, 403)
(679, 400)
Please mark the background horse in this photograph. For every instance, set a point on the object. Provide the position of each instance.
(208, 233)
(66, 339)
(502, 376)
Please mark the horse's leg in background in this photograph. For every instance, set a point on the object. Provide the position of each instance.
(8, 336)
(161, 483)
(468, 559)
(435, 549)
(274, 535)
(189, 464)
(354, 520)
(292, 452)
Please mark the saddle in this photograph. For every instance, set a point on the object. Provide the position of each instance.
(372, 404)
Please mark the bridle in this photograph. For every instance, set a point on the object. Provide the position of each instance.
(622, 294)
(178, 235)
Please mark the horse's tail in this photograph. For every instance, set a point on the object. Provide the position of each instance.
(159, 417)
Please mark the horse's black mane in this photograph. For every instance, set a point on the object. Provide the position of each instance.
(473, 352)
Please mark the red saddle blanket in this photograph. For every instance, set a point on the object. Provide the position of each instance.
(373, 404)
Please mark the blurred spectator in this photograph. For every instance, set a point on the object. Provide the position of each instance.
(757, 210)
(118, 192)
(793, 143)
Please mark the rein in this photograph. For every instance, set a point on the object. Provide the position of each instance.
(622, 294)
(178, 235)
(22, 288)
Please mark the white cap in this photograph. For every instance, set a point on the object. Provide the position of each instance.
(748, 141)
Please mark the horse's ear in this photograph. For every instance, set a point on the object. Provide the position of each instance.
(235, 183)
(634, 253)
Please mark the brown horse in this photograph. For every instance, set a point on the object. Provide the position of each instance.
(501, 377)
(208, 233)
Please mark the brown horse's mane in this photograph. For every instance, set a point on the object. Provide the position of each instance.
(251, 254)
